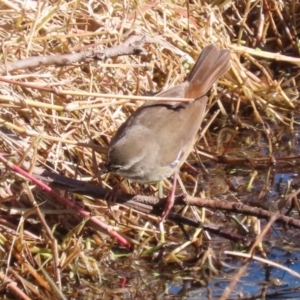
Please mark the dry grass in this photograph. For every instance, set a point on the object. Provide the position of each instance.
(61, 130)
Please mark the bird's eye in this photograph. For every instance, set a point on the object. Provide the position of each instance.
(113, 168)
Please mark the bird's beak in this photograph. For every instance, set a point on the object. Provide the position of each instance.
(104, 170)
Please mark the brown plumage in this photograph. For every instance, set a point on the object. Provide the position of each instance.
(156, 139)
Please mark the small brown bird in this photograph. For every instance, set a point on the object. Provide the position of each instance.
(156, 139)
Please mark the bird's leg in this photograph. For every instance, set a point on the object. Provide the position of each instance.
(170, 200)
